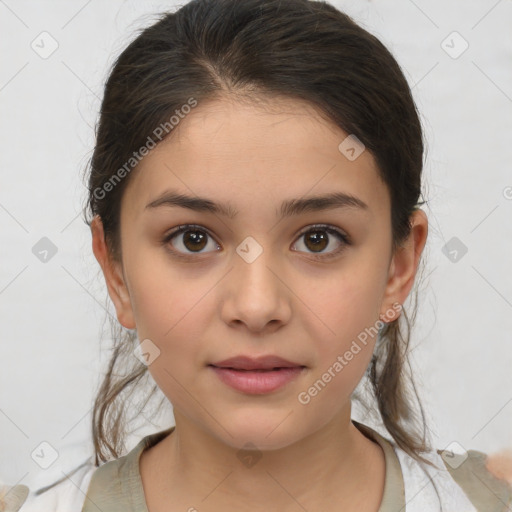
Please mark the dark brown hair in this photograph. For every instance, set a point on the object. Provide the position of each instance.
(260, 49)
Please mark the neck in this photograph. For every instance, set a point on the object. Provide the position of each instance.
(336, 461)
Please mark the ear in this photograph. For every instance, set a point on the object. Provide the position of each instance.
(114, 278)
(404, 264)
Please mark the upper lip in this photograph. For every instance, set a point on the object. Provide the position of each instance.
(255, 363)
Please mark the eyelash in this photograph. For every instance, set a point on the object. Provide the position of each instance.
(342, 237)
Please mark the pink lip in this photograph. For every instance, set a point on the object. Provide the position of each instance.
(257, 382)
(256, 363)
(256, 375)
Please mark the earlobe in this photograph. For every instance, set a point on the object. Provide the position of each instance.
(113, 274)
(392, 313)
(404, 263)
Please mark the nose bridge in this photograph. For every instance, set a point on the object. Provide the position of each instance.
(257, 294)
(253, 264)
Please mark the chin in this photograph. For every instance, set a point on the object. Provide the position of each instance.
(259, 443)
(261, 435)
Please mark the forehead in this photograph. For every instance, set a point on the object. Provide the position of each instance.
(243, 152)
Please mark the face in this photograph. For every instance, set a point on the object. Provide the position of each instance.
(306, 284)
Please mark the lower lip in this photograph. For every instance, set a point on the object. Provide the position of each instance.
(257, 383)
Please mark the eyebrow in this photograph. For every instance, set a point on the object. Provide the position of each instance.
(288, 208)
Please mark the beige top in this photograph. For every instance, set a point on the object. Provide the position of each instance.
(116, 486)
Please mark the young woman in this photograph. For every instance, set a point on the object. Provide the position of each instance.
(255, 198)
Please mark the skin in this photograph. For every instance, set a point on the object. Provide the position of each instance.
(216, 305)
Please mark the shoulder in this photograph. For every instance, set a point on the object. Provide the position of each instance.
(12, 497)
(459, 482)
(61, 486)
(107, 487)
(116, 486)
(66, 493)
(72, 492)
(470, 470)
(69, 487)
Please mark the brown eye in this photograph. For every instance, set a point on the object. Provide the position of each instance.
(318, 238)
(194, 240)
(189, 239)
(317, 241)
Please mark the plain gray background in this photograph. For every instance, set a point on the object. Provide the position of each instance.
(52, 313)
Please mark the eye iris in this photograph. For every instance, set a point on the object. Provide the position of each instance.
(195, 240)
(194, 237)
(319, 239)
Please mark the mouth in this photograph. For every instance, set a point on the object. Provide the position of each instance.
(267, 363)
(256, 370)
(257, 381)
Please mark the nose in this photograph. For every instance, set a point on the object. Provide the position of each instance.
(256, 295)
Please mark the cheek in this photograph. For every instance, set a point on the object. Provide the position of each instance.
(345, 324)
(167, 301)
(173, 312)
(344, 348)
(346, 304)
(173, 308)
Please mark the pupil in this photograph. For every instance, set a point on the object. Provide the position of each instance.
(194, 237)
(317, 240)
